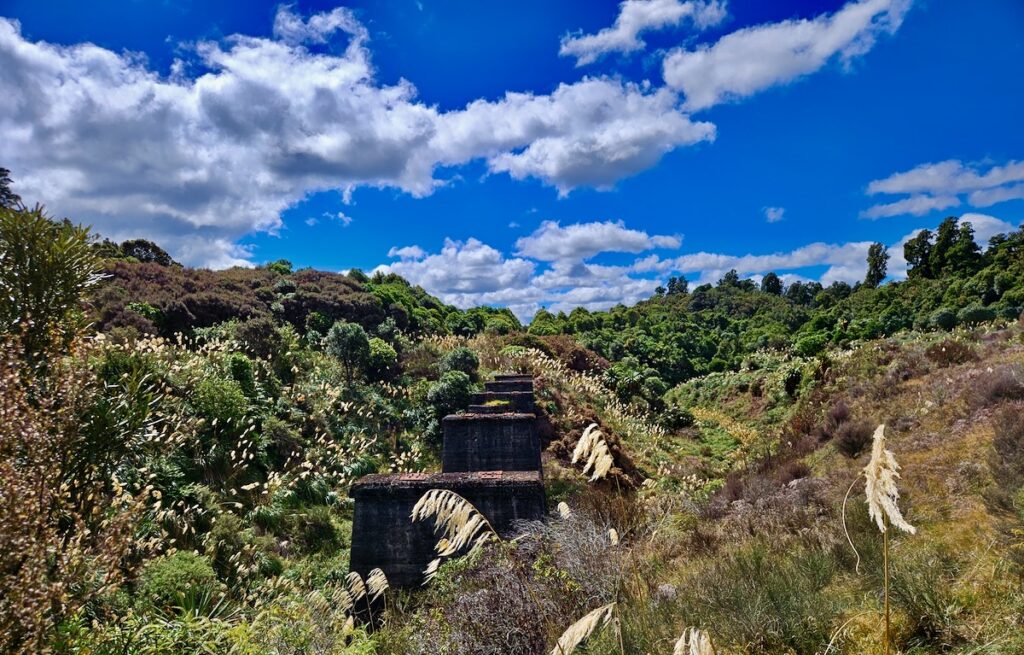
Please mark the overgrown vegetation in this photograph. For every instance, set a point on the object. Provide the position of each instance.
(173, 477)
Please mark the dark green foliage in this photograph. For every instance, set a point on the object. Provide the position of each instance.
(974, 314)
(350, 345)
(8, 198)
(382, 360)
(242, 372)
(450, 393)
(168, 581)
(918, 253)
(45, 267)
(878, 259)
(771, 283)
(146, 251)
(281, 267)
(944, 319)
(259, 337)
(460, 359)
(313, 530)
(677, 285)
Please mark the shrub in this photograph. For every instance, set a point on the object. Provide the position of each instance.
(944, 319)
(1001, 383)
(242, 372)
(259, 337)
(852, 437)
(313, 530)
(450, 394)
(45, 267)
(949, 352)
(220, 399)
(975, 314)
(380, 364)
(810, 345)
(460, 359)
(350, 345)
(170, 580)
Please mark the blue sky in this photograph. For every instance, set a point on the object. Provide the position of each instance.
(525, 154)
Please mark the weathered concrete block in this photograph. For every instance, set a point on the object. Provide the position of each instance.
(509, 385)
(513, 376)
(384, 535)
(518, 401)
(490, 442)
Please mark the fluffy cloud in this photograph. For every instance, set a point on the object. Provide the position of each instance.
(917, 205)
(590, 133)
(197, 163)
(774, 214)
(552, 242)
(408, 252)
(939, 185)
(636, 16)
(756, 58)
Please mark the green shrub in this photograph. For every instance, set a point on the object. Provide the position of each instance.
(460, 359)
(220, 400)
(975, 314)
(242, 372)
(259, 337)
(350, 345)
(811, 345)
(944, 319)
(313, 530)
(383, 359)
(170, 580)
(450, 394)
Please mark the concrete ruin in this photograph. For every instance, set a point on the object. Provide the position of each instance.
(490, 457)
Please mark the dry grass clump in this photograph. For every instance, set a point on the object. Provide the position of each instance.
(999, 384)
(949, 353)
(852, 437)
(594, 449)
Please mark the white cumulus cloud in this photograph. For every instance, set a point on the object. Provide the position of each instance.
(941, 185)
(196, 163)
(755, 58)
(554, 242)
(635, 17)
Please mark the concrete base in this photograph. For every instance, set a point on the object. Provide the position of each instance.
(490, 442)
(385, 537)
(518, 401)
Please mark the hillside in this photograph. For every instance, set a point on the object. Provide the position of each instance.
(178, 444)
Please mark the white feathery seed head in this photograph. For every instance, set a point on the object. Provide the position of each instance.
(881, 491)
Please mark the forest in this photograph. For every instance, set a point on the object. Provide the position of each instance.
(176, 447)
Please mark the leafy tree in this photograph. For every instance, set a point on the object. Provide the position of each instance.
(878, 258)
(8, 198)
(677, 285)
(659, 290)
(45, 267)
(730, 279)
(918, 253)
(964, 256)
(281, 267)
(771, 283)
(146, 251)
(945, 238)
(350, 345)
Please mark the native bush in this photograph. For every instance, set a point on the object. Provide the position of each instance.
(170, 580)
(460, 359)
(382, 360)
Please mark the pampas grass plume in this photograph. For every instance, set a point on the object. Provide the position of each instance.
(694, 642)
(578, 632)
(593, 447)
(881, 475)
